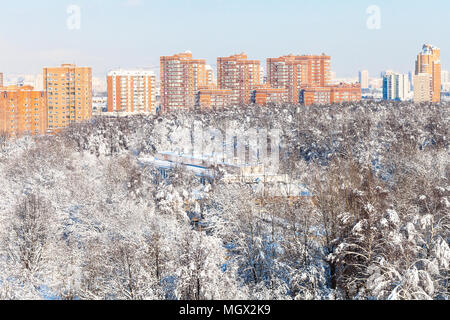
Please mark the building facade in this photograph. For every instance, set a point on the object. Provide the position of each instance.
(396, 87)
(264, 95)
(1, 79)
(364, 79)
(315, 95)
(99, 105)
(444, 76)
(69, 95)
(131, 91)
(429, 62)
(22, 111)
(422, 88)
(445, 81)
(330, 94)
(211, 97)
(209, 75)
(345, 93)
(181, 76)
(295, 72)
(240, 75)
(262, 75)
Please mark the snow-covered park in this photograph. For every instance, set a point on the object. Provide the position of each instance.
(359, 208)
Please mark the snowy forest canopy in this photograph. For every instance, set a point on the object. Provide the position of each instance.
(81, 217)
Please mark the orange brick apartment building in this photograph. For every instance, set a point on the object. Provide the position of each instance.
(294, 72)
(240, 75)
(181, 76)
(330, 94)
(69, 95)
(429, 62)
(22, 111)
(293, 79)
(212, 97)
(263, 95)
(131, 91)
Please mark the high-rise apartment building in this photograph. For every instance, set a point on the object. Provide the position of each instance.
(411, 81)
(375, 83)
(422, 88)
(69, 95)
(364, 79)
(181, 76)
(209, 74)
(22, 111)
(429, 62)
(262, 75)
(444, 76)
(240, 75)
(386, 72)
(131, 91)
(295, 72)
(445, 81)
(396, 87)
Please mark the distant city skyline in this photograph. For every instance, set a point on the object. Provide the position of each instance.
(135, 33)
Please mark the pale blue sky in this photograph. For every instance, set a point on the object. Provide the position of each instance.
(135, 33)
